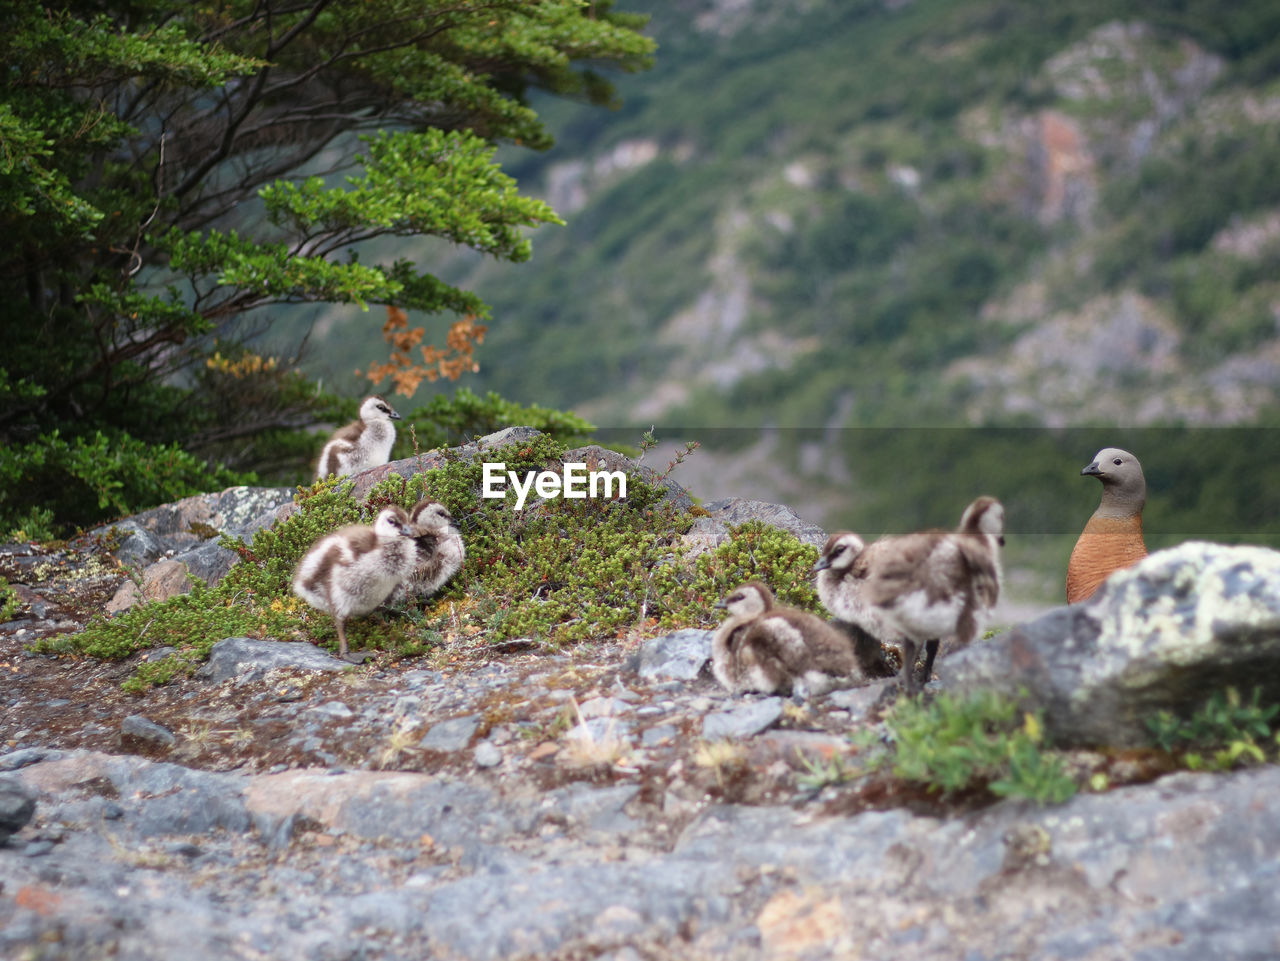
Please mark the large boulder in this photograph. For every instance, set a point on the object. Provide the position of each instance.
(1162, 635)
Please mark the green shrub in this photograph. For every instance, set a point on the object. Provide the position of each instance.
(54, 485)
(448, 421)
(9, 602)
(1226, 732)
(983, 742)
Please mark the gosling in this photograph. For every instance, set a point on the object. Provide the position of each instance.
(778, 650)
(439, 550)
(840, 579)
(363, 443)
(918, 588)
(353, 570)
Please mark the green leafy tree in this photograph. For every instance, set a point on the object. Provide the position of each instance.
(168, 168)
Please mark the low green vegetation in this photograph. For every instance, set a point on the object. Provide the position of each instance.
(1227, 732)
(952, 745)
(446, 421)
(53, 484)
(9, 602)
(560, 572)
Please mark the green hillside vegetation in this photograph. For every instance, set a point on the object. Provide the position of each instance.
(865, 179)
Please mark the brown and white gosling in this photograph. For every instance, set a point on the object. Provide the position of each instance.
(778, 650)
(363, 443)
(439, 550)
(350, 572)
(918, 588)
(840, 579)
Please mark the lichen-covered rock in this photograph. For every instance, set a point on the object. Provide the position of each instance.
(1162, 635)
(711, 531)
(176, 540)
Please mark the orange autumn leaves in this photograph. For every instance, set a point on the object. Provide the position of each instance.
(451, 362)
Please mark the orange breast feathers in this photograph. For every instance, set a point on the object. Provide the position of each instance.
(1106, 545)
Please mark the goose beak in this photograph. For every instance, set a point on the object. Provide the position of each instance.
(1093, 470)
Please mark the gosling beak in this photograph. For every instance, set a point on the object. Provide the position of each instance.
(822, 565)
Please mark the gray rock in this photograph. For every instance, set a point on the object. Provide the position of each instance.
(331, 709)
(365, 481)
(29, 755)
(739, 510)
(249, 659)
(487, 754)
(598, 730)
(210, 561)
(1163, 635)
(1180, 869)
(596, 811)
(138, 547)
(603, 707)
(859, 700)
(659, 734)
(743, 721)
(189, 529)
(601, 458)
(450, 735)
(682, 655)
(138, 728)
(17, 806)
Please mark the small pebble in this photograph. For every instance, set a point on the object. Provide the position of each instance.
(487, 755)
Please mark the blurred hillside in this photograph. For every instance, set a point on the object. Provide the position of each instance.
(866, 225)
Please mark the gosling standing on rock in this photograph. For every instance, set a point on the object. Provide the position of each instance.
(780, 650)
(1112, 540)
(439, 547)
(363, 443)
(350, 572)
(920, 588)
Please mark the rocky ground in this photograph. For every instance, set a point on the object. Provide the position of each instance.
(608, 802)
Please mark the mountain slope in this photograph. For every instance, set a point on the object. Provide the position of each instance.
(942, 213)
